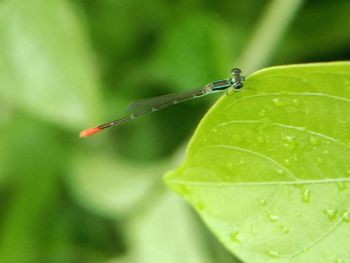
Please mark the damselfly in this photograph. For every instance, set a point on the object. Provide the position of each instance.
(145, 106)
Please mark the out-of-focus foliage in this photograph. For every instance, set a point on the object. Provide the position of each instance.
(66, 65)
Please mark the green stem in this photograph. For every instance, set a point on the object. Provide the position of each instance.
(274, 22)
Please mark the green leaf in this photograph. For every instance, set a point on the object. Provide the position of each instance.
(268, 168)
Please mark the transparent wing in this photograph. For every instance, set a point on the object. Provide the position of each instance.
(156, 103)
(142, 107)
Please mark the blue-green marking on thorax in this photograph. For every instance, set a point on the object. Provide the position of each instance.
(220, 85)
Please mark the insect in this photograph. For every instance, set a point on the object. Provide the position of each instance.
(145, 106)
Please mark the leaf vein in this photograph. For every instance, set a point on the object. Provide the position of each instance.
(261, 155)
(301, 129)
(311, 94)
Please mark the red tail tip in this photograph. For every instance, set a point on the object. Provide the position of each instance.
(89, 132)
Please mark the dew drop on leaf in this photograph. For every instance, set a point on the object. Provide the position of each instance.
(278, 102)
(346, 216)
(253, 228)
(320, 160)
(184, 190)
(290, 138)
(314, 140)
(200, 206)
(285, 229)
(290, 142)
(234, 236)
(273, 253)
(341, 186)
(290, 146)
(296, 102)
(262, 112)
(306, 195)
(338, 260)
(291, 190)
(273, 217)
(260, 139)
(286, 162)
(280, 171)
(242, 162)
(262, 202)
(331, 213)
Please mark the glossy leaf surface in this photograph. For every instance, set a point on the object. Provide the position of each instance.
(268, 168)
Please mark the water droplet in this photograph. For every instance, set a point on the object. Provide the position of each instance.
(299, 186)
(291, 108)
(291, 190)
(253, 228)
(314, 140)
(280, 171)
(286, 162)
(204, 140)
(285, 229)
(290, 144)
(341, 186)
(346, 216)
(278, 102)
(260, 139)
(331, 213)
(273, 217)
(234, 236)
(273, 253)
(262, 112)
(289, 138)
(262, 202)
(338, 260)
(298, 214)
(241, 162)
(184, 190)
(296, 102)
(320, 160)
(306, 195)
(200, 206)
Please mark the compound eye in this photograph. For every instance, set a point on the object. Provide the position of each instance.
(237, 85)
(235, 70)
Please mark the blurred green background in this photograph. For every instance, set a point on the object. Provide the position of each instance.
(68, 65)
